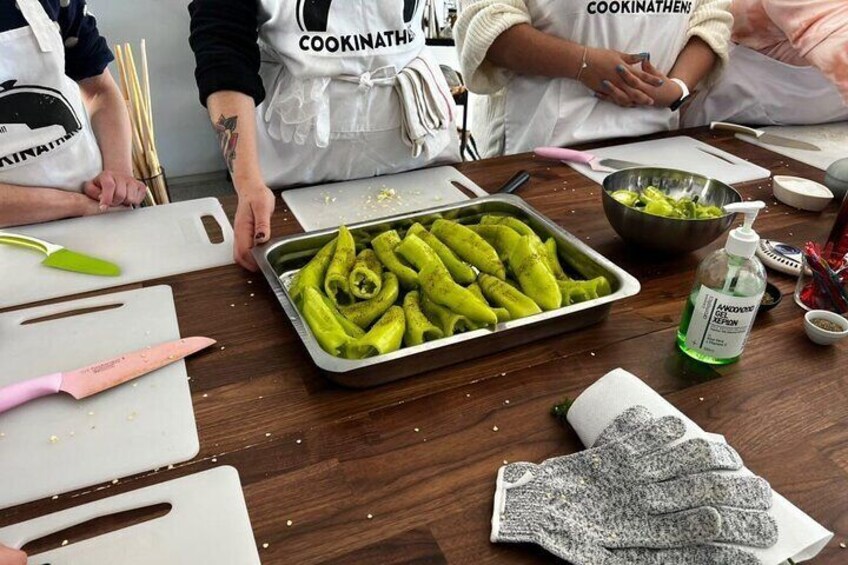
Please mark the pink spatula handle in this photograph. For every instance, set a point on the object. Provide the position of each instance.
(561, 154)
(21, 393)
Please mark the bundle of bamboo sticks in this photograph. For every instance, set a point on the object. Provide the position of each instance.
(146, 166)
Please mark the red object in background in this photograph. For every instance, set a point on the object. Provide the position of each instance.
(823, 284)
(837, 243)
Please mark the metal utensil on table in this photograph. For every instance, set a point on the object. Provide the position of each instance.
(765, 137)
(514, 183)
(598, 164)
(101, 376)
(59, 257)
(668, 235)
(281, 258)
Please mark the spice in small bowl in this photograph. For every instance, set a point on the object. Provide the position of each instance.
(824, 327)
(771, 298)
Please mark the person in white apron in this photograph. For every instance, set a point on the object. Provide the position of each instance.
(56, 158)
(563, 72)
(344, 89)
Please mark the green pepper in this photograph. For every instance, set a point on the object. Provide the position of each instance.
(365, 312)
(552, 259)
(439, 287)
(384, 246)
(580, 291)
(416, 252)
(312, 274)
(469, 246)
(504, 295)
(626, 197)
(652, 194)
(349, 327)
(660, 208)
(335, 281)
(365, 277)
(502, 238)
(384, 337)
(418, 328)
(509, 221)
(532, 272)
(327, 330)
(458, 269)
(502, 313)
(708, 212)
(448, 321)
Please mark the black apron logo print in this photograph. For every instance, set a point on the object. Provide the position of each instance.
(313, 15)
(35, 108)
(313, 18)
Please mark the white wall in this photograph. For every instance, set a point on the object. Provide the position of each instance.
(184, 135)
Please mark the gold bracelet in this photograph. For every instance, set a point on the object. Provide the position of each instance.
(584, 64)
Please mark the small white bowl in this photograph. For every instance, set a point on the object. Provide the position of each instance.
(820, 336)
(801, 193)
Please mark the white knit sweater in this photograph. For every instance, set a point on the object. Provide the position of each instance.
(480, 22)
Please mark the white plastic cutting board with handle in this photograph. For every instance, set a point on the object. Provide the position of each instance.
(832, 139)
(331, 205)
(147, 243)
(57, 444)
(683, 153)
(207, 524)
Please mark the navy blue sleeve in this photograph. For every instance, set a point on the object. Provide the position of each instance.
(224, 36)
(86, 52)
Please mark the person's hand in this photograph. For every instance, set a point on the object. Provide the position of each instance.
(112, 189)
(253, 222)
(613, 77)
(9, 556)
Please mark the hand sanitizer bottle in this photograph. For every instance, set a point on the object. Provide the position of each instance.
(729, 286)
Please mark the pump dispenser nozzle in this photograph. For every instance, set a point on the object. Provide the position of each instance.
(743, 241)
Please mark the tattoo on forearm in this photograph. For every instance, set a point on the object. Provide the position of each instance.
(225, 129)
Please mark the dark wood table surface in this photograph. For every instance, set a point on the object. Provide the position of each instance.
(405, 472)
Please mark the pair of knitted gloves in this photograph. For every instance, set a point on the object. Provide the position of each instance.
(637, 496)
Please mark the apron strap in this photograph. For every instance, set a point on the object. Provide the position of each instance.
(42, 26)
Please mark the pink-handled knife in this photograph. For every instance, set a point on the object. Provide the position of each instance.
(582, 157)
(103, 375)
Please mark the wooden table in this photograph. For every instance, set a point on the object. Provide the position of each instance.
(405, 472)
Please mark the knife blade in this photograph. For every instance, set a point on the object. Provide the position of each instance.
(765, 137)
(59, 257)
(618, 164)
(90, 380)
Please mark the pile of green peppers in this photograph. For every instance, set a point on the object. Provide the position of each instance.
(653, 201)
(431, 283)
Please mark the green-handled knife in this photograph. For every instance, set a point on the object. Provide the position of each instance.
(59, 257)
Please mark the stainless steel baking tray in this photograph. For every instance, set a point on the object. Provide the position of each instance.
(280, 259)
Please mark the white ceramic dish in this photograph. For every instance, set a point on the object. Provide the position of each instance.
(820, 336)
(801, 193)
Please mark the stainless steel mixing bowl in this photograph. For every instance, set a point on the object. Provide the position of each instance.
(668, 235)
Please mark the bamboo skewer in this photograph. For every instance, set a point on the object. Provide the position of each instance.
(135, 89)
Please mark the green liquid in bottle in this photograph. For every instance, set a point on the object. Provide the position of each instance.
(682, 330)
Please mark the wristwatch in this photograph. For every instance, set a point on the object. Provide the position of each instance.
(685, 96)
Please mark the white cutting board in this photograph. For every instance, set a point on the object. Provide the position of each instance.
(207, 524)
(147, 243)
(129, 429)
(831, 138)
(332, 205)
(683, 153)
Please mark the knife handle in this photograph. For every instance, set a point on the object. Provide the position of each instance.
(28, 242)
(737, 128)
(22, 392)
(561, 154)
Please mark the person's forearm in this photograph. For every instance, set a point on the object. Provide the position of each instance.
(526, 50)
(694, 62)
(21, 205)
(233, 114)
(109, 121)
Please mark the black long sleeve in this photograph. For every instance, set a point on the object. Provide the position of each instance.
(224, 40)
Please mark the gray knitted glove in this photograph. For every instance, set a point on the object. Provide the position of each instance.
(581, 506)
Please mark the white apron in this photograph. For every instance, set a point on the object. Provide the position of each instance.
(45, 136)
(331, 111)
(543, 111)
(758, 90)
